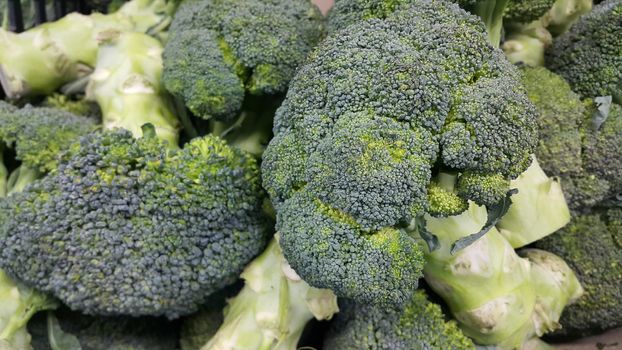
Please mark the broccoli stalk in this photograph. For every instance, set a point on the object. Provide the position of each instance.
(17, 305)
(42, 59)
(127, 85)
(272, 309)
(538, 209)
(491, 12)
(527, 38)
(497, 297)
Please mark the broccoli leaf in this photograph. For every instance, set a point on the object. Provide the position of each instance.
(495, 213)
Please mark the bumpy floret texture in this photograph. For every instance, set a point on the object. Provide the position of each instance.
(587, 157)
(525, 11)
(419, 325)
(592, 246)
(347, 12)
(127, 226)
(589, 55)
(367, 123)
(106, 333)
(38, 135)
(219, 50)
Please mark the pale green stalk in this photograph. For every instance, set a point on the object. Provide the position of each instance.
(538, 209)
(127, 85)
(272, 309)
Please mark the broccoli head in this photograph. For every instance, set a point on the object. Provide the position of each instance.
(420, 324)
(525, 11)
(578, 143)
(592, 245)
(131, 226)
(220, 50)
(381, 107)
(589, 55)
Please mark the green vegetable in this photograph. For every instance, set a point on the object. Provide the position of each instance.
(150, 228)
(380, 109)
(588, 55)
(272, 309)
(40, 60)
(420, 324)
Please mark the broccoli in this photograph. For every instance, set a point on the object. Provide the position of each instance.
(64, 329)
(77, 106)
(525, 11)
(198, 328)
(592, 245)
(497, 297)
(368, 122)
(588, 55)
(272, 309)
(133, 224)
(32, 138)
(420, 324)
(18, 303)
(578, 143)
(42, 59)
(220, 51)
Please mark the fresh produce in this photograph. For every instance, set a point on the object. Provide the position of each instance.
(257, 174)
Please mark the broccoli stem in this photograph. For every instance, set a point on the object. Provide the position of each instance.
(526, 44)
(272, 309)
(564, 14)
(538, 209)
(491, 12)
(4, 173)
(127, 86)
(20, 178)
(40, 60)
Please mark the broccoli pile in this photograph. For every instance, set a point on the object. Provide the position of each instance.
(257, 174)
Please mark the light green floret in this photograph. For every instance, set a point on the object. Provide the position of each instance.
(483, 189)
(420, 324)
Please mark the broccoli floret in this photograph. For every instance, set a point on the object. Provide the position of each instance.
(220, 50)
(588, 55)
(420, 324)
(198, 328)
(66, 329)
(80, 106)
(127, 226)
(367, 124)
(577, 143)
(592, 245)
(136, 226)
(525, 11)
(37, 136)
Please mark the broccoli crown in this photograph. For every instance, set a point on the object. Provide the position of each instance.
(589, 55)
(560, 116)
(592, 246)
(587, 156)
(38, 135)
(219, 50)
(104, 333)
(129, 226)
(380, 107)
(418, 325)
(347, 12)
(82, 107)
(525, 11)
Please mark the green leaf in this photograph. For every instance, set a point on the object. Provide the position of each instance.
(59, 339)
(495, 213)
(430, 239)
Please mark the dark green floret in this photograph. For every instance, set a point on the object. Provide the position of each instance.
(592, 245)
(589, 55)
(420, 324)
(380, 109)
(131, 226)
(221, 50)
(525, 11)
